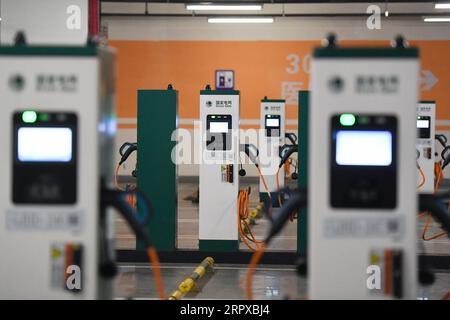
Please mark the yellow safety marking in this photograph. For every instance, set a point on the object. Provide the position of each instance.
(186, 285)
(200, 271)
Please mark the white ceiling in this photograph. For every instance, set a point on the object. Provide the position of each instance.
(323, 8)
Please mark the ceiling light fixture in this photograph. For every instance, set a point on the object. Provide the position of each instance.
(442, 6)
(240, 20)
(224, 7)
(436, 19)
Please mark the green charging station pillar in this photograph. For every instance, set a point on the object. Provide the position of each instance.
(302, 220)
(156, 171)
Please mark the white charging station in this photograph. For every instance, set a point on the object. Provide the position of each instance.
(272, 132)
(219, 179)
(57, 133)
(426, 126)
(362, 173)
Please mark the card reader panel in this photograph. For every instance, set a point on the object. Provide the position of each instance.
(363, 161)
(44, 158)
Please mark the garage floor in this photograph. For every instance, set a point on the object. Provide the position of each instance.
(227, 282)
(270, 282)
(287, 241)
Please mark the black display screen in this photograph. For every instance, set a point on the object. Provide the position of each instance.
(272, 125)
(218, 132)
(44, 158)
(423, 127)
(363, 162)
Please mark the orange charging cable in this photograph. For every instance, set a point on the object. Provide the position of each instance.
(422, 175)
(292, 216)
(156, 270)
(278, 187)
(256, 257)
(151, 252)
(439, 173)
(287, 168)
(116, 182)
(263, 181)
(243, 215)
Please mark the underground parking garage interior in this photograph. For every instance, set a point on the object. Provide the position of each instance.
(224, 150)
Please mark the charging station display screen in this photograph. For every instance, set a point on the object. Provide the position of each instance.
(272, 122)
(363, 166)
(41, 144)
(424, 127)
(218, 127)
(423, 124)
(218, 132)
(363, 148)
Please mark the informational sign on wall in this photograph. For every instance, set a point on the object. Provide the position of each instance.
(62, 22)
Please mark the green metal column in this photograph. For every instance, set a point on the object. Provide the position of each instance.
(156, 172)
(302, 221)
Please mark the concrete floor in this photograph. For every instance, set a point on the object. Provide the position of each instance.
(270, 282)
(227, 282)
(286, 241)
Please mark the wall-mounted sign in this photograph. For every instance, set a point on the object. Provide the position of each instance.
(224, 79)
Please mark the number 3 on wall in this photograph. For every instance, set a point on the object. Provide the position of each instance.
(294, 63)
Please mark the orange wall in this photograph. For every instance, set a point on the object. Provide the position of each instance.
(260, 68)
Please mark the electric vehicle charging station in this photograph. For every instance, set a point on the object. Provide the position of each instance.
(362, 179)
(58, 134)
(426, 126)
(272, 132)
(219, 178)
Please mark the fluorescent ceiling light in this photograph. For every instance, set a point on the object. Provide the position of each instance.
(436, 19)
(223, 7)
(442, 6)
(240, 20)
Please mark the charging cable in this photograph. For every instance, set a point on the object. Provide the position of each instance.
(113, 198)
(296, 200)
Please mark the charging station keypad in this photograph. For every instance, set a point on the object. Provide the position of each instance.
(363, 161)
(44, 158)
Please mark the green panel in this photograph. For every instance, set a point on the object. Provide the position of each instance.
(48, 51)
(273, 100)
(366, 53)
(218, 245)
(427, 101)
(156, 173)
(219, 92)
(302, 222)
